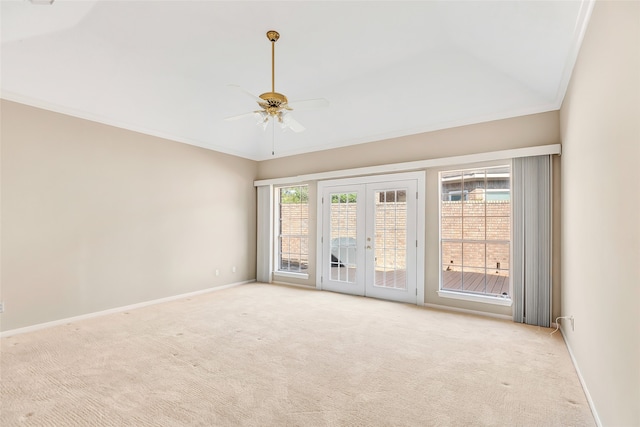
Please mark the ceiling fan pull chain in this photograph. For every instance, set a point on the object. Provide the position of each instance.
(273, 137)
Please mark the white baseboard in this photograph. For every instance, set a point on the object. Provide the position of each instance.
(594, 412)
(464, 310)
(40, 326)
(295, 285)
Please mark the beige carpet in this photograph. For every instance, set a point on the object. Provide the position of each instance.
(266, 355)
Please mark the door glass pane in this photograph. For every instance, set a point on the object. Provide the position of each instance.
(390, 239)
(343, 237)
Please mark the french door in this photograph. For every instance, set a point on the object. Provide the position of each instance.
(369, 237)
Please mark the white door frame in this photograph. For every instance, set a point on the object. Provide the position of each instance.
(354, 256)
(420, 177)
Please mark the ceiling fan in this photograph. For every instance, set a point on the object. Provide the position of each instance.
(275, 105)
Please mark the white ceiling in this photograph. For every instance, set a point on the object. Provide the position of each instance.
(387, 68)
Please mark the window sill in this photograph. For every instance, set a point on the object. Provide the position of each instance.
(290, 275)
(476, 298)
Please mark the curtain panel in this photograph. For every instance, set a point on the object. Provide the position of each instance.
(532, 196)
(264, 251)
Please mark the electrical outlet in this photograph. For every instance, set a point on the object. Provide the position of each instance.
(1, 306)
(217, 272)
(572, 324)
(233, 269)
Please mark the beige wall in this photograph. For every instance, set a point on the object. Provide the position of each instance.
(600, 246)
(95, 217)
(519, 132)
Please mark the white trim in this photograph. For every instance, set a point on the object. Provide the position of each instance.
(486, 299)
(416, 165)
(466, 311)
(99, 118)
(291, 274)
(415, 175)
(295, 285)
(592, 405)
(371, 179)
(323, 257)
(579, 30)
(59, 322)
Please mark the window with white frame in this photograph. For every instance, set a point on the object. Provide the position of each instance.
(475, 231)
(293, 229)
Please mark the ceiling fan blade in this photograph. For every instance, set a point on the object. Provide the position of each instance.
(241, 116)
(246, 92)
(308, 104)
(292, 123)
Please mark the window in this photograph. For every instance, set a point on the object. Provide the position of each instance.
(293, 229)
(475, 231)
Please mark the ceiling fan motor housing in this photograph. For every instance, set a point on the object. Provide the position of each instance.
(274, 102)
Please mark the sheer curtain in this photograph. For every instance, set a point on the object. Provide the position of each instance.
(531, 195)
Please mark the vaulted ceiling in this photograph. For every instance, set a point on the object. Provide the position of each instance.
(387, 68)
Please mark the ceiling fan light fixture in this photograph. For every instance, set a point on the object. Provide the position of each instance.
(262, 118)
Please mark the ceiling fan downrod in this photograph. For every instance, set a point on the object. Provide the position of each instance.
(273, 37)
(274, 102)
